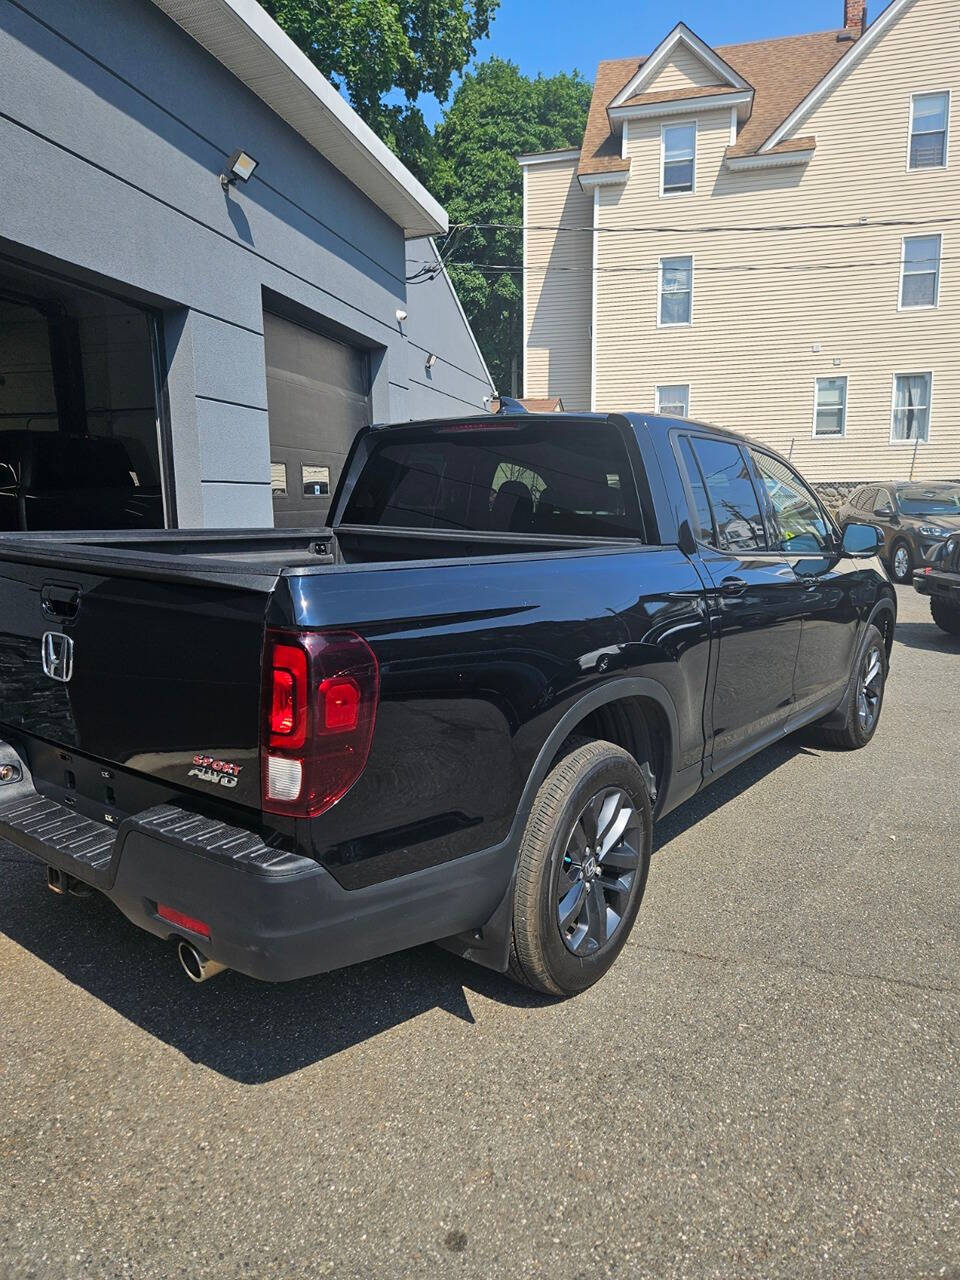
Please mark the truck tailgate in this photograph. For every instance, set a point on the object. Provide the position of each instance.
(158, 677)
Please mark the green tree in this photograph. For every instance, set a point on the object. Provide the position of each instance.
(371, 49)
(497, 114)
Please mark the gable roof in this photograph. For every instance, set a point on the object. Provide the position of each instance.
(781, 72)
(680, 35)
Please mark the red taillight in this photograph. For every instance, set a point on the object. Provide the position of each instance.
(320, 692)
(340, 699)
(288, 696)
(182, 921)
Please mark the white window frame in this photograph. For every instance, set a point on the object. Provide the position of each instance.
(677, 124)
(920, 306)
(673, 324)
(830, 377)
(911, 373)
(941, 168)
(660, 386)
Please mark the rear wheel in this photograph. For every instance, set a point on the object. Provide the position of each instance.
(582, 869)
(901, 562)
(864, 698)
(946, 616)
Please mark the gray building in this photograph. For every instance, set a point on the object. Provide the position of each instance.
(176, 350)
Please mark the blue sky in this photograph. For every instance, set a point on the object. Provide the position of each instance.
(558, 35)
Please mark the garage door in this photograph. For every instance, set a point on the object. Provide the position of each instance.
(318, 397)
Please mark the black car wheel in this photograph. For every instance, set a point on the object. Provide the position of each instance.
(901, 562)
(946, 616)
(582, 870)
(863, 702)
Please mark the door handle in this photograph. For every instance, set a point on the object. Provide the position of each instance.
(59, 601)
(732, 586)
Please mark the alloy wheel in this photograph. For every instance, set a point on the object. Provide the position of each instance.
(901, 563)
(599, 867)
(870, 688)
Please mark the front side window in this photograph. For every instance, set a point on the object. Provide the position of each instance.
(929, 116)
(732, 495)
(911, 406)
(920, 273)
(883, 504)
(830, 407)
(798, 521)
(679, 158)
(676, 290)
(674, 401)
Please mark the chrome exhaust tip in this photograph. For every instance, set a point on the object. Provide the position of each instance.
(195, 965)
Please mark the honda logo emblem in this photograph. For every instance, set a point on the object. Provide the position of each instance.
(57, 656)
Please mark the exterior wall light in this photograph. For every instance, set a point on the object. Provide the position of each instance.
(240, 165)
(431, 360)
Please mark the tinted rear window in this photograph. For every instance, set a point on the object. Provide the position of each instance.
(732, 495)
(566, 478)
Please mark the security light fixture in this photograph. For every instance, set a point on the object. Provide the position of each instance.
(431, 360)
(240, 165)
(401, 315)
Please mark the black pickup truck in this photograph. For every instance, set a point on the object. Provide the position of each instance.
(451, 715)
(940, 583)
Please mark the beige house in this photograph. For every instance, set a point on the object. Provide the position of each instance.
(765, 236)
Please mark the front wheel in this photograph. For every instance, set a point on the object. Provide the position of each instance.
(582, 869)
(901, 563)
(946, 616)
(864, 698)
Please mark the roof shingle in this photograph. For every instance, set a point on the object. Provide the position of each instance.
(781, 72)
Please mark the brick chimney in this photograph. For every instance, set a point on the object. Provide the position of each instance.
(855, 16)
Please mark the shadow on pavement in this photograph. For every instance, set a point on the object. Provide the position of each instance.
(927, 636)
(253, 1032)
(246, 1030)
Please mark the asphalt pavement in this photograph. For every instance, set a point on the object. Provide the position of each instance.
(767, 1085)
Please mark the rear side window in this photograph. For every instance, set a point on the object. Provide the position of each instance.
(701, 506)
(736, 508)
(570, 478)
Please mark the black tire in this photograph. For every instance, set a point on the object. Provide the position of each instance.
(543, 954)
(853, 731)
(904, 575)
(946, 616)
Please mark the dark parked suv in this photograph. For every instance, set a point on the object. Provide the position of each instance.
(913, 518)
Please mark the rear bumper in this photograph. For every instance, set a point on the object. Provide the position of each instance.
(946, 586)
(271, 914)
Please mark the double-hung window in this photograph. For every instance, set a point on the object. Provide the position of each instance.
(830, 407)
(929, 120)
(920, 272)
(676, 290)
(911, 406)
(679, 149)
(674, 401)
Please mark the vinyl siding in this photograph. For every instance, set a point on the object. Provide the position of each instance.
(682, 70)
(773, 311)
(557, 285)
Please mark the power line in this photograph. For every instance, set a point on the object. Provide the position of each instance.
(782, 227)
(733, 267)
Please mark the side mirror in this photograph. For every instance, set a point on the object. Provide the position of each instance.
(861, 540)
(885, 511)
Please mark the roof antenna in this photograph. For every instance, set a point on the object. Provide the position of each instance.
(508, 405)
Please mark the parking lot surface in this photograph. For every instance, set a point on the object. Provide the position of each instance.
(766, 1085)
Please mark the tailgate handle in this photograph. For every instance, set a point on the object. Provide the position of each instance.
(58, 601)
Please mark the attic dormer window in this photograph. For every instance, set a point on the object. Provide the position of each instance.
(679, 155)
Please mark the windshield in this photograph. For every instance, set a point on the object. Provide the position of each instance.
(563, 478)
(930, 500)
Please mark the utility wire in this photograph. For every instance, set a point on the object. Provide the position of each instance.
(772, 227)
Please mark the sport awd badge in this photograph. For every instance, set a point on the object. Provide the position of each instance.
(220, 772)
